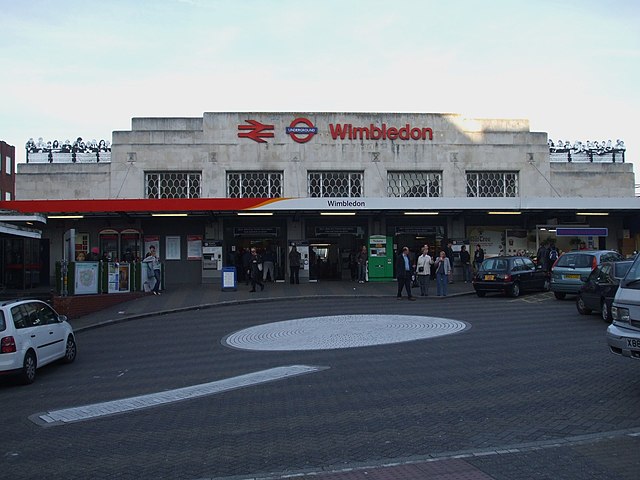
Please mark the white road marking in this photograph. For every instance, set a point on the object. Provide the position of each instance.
(342, 331)
(126, 405)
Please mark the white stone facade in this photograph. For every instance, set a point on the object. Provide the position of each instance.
(211, 145)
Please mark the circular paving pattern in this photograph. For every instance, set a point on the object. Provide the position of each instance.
(341, 331)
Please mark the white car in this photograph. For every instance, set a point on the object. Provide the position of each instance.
(32, 334)
(623, 335)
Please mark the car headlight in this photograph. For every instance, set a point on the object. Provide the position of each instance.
(620, 314)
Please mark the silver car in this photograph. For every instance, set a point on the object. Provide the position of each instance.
(572, 269)
(623, 335)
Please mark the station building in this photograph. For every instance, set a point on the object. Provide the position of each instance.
(205, 189)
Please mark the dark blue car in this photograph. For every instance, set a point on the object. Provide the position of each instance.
(601, 286)
(509, 275)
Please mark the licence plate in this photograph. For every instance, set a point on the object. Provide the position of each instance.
(489, 277)
(633, 343)
(573, 276)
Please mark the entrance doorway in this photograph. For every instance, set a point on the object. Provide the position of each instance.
(334, 258)
(240, 251)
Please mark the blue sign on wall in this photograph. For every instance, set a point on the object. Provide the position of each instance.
(582, 232)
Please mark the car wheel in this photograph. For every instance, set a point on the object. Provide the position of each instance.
(514, 291)
(582, 310)
(605, 312)
(28, 374)
(70, 351)
(481, 294)
(560, 295)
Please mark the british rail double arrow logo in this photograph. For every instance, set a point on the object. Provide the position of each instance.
(256, 131)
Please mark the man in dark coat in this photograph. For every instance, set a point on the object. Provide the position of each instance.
(403, 273)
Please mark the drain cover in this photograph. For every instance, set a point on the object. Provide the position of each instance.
(341, 331)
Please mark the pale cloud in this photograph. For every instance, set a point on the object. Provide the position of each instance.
(86, 68)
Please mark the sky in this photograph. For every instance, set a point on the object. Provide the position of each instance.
(86, 68)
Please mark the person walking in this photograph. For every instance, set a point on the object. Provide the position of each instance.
(423, 271)
(153, 264)
(294, 265)
(403, 274)
(362, 259)
(443, 270)
(478, 257)
(255, 270)
(465, 260)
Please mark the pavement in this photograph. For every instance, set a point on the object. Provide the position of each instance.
(574, 457)
(194, 297)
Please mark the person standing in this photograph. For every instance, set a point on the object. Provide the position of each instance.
(423, 270)
(94, 255)
(478, 257)
(362, 259)
(448, 251)
(246, 266)
(153, 264)
(255, 270)
(403, 274)
(552, 257)
(268, 262)
(465, 260)
(542, 254)
(443, 270)
(294, 265)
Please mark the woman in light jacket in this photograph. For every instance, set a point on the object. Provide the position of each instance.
(443, 270)
(423, 270)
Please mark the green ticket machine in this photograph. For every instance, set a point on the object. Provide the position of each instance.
(380, 258)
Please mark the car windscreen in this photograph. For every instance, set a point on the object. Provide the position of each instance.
(3, 324)
(632, 278)
(575, 260)
(495, 264)
(621, 269)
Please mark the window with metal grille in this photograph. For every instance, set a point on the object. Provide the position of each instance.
(414, 184)
(492, 184)
(334, 184)
(172, 184)
(254, 184)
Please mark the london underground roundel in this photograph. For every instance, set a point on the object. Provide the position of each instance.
(301, 130)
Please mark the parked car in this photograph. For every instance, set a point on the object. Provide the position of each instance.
(623, 335)
(509, 275)
(572, 269)
(32, 334)
(598, 291)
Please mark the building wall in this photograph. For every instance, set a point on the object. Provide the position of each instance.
(593, 179)
(458, 144)
(210, 145)
(7, 174)
(67, 181)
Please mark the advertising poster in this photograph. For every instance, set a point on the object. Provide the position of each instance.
(490, 240)
(173, 248)
(194, 247)
(150, 240)
(118, 277)
(123, 277)
(113, 278)
(86, 276)
(516, 241)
